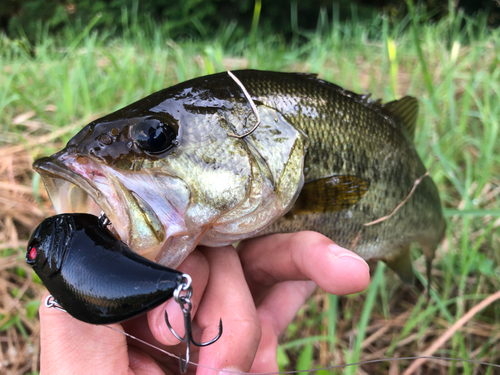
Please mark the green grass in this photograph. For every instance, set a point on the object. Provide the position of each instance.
(452, 68)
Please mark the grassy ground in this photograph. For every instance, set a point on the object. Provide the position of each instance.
(452, 67)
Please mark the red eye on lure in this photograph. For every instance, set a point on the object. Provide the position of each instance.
(32, 254)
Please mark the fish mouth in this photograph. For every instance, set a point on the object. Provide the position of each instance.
(84, 185)
(68, 192)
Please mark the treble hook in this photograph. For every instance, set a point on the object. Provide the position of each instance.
(185, 303)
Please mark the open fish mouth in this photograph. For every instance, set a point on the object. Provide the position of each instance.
(64, 188)
(81, 184)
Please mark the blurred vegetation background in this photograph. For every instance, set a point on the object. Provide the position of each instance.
(204, 18)
(65, 63)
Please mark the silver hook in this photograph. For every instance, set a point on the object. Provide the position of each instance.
(50, 302)
(252, 104)
(184, 302)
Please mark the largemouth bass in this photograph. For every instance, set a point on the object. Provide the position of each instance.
(169, 173)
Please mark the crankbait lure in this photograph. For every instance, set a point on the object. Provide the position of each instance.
(94, 276)
(98, 279)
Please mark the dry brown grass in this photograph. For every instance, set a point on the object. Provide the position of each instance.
(19, 214)
(382, 332)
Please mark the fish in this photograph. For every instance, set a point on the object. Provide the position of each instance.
(225, 157)
(94, 276)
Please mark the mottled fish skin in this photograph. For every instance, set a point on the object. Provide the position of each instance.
(350, 135)
(213, 189)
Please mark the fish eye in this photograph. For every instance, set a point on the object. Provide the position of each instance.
(156, 135)
(32, 251)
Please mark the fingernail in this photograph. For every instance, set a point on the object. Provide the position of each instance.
(174, 315)
(230, 370)
(340, 252)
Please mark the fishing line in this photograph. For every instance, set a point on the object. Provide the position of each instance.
(450, 359)
(146, 343)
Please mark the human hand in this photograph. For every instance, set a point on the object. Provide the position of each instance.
(255, 291)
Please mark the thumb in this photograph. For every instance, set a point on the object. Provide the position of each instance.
(69, 346)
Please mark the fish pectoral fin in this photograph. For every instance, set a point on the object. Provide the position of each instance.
(329, 194)
(405, 112)
(401, 264)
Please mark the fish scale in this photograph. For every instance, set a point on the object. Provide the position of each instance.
(323, 158)
(362, 147)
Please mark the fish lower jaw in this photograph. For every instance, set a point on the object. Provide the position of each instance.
(135, 229)
(146, 222)
(91, 188)
(73, 199)
(67, 197)
(138, 243)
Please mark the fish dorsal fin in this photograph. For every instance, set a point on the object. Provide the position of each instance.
(404, 111)
(401, 264)
(328, 194)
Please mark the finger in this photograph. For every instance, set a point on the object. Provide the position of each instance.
(283, 301)
(69, 346)
(276, 311)
(302, 256)
(227, 297)
(196, 266)
(142, 364)
(142, 341)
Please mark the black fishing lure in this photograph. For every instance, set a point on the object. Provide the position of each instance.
(94, 276)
